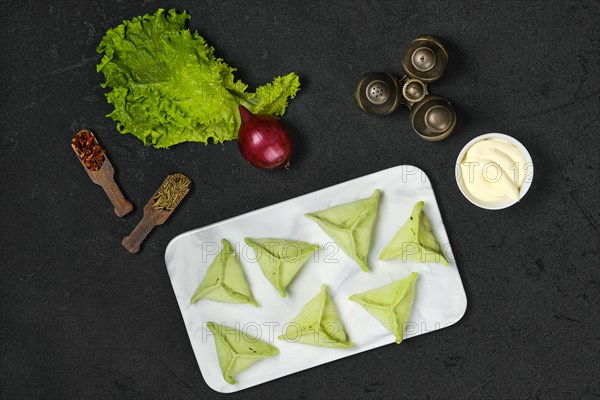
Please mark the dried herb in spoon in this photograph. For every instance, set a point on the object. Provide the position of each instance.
(158, 209)
(171, 192)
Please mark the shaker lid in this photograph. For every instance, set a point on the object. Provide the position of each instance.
(377, 93)
(425, 58)
(433, 118)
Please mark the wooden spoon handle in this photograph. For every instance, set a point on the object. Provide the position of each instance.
(134, 240)
(120, 203)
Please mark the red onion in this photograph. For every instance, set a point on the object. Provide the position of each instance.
(264, 141)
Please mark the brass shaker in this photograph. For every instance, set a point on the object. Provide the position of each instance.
(378, 93)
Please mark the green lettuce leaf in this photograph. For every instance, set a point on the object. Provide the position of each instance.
(168, 87)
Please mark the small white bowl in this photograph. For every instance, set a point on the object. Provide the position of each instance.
(498, 205)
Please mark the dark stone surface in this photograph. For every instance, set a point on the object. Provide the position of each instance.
(83, 319)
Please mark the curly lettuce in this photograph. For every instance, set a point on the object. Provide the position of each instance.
(168, 87)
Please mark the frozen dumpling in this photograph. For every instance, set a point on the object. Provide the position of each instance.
(390, 304)
(224, 281)
(237, 351)
(317, 324)
(415, 240)
(280, 260)
(351, 225)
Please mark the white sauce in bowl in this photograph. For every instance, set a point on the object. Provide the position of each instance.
(493, 170)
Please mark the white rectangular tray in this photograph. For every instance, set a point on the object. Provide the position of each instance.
(440, 298)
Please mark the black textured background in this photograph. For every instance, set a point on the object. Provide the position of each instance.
(83, 319)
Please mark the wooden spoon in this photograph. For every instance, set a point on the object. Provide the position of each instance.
(105, 177)
(155, 214)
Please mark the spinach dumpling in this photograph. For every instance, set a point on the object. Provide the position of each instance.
(280, 260)
(415, 240)
(317, 324)
(390, 304)
(350, 225)
(237, 351)
(224, 281)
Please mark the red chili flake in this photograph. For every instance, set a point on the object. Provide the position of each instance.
(88, 149)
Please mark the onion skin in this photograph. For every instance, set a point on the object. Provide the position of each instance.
(264, 141)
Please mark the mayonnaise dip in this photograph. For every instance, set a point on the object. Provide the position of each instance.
(493, 170)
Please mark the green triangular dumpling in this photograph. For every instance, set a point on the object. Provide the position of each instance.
(390, 304)
(415, 240)
(351, 225)
(224, 281)
(317, 324)
(237, 351)
(280, 260)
